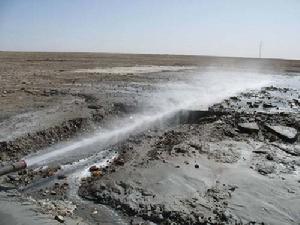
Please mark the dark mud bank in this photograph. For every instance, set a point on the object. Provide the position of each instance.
(21, 146)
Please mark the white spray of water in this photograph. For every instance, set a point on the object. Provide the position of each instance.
(200, 91)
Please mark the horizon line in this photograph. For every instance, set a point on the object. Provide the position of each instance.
(167, 54)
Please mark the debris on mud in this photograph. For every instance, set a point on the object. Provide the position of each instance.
(212, 160)
(28, 176)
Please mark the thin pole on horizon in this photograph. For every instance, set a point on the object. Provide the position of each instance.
(260, 49)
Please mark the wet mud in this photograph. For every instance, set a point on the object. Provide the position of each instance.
(226, 166)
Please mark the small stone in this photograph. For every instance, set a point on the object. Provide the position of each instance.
(13, 177)
(288, 134)
(59, 218)
(265, 168)
(269, 157)
(50, 173)
(61, 176)
(232, 187)
(268, 105)
(94, 168)
(234, 98)
(248, 127)
(96, 173)
(196, 166)
(120, 162)
(53, 192)
(94, 106)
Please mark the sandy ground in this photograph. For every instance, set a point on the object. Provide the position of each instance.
(203, 169)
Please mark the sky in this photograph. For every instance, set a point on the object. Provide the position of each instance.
(197, 27)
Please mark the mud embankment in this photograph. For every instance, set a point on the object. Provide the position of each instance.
(21, 146)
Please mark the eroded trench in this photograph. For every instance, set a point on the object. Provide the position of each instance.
(79, 169)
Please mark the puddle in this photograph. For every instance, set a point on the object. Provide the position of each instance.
(135, 69)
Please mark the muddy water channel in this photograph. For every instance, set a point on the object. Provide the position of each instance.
(214, 149)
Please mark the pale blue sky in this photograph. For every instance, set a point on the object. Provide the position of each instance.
(204, 27)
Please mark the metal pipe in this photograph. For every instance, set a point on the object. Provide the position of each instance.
(13, 167)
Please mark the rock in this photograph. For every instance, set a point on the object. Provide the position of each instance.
(53, 192)
(255, 105)
(160, 216)
(196, 166)
(61, 176)
(234, 98)
(292, 150)
(288, 134)
(180, 148)
(119, 162)
(137, 221)
(53, 92)
(265, 168)
(94, 168)
(96, 173)
(248, 127)
(13, 177)
(269, 157)
(260, 151)
(94, 106)
(59, 218)
(268, 105)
